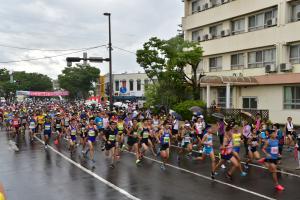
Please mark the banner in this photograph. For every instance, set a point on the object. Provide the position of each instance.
(43, 94)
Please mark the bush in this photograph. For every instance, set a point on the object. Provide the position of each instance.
(183, 108)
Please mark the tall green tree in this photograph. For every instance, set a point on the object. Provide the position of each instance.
(23, 81)
(78, 80)
(168, 61)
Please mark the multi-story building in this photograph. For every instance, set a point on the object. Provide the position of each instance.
(128, 85)
(251, 53)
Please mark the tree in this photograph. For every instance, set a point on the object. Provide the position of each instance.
(79, 80)
(23, 81)
(167, 60)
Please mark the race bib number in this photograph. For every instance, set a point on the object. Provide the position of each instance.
(146, 135)
(166, 139)
(274, 150)
(58, 126)
(32, 125)
(15, 122)
(82, 129)
(47, 127)
(112, 138)
(135, 133)
(73, 132)
(91, 133)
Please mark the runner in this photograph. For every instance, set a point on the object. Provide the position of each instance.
(208, 150)
(32, 127)
(290, 134)
(83, 134)
(227, 154)
(186, 144)
(164, 138)
(47, 131)
(133, 140)
(252, 148)
(109, 137)
(72, 133)
(271, 151)
(58, 128)
(92, 133)
(297, 150)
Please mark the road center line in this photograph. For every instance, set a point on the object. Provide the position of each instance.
(122, 191)
(254, 165)
(208, 178)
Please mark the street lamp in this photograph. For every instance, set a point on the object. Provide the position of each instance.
(110, 63)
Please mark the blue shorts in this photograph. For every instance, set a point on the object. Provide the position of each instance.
(226, 157)
(236, 149)
(73, 138)
(207, 151)
(48, 133)
(92, 138)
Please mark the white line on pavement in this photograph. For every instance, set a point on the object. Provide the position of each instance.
(122, 191)
(258, 166)
(208, 178)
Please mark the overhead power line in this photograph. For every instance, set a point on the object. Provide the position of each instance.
(124, 50)
(49, 57)
(36, 49)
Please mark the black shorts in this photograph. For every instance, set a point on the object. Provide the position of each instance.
(109, 146)
(174, 132)
(58, 129)
(200, 136)
(253, 149)
(269, 160)
(164, 147)
(83, 135)
(144, 141)
(226, 157)
(131, 141)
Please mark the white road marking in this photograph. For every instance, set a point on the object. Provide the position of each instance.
(122, 191)
(258, 166)
(209, 178)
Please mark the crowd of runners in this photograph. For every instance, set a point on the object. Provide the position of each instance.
(83, 128)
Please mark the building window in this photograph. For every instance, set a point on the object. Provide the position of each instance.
(295, 54)
(260, 21)
(221, 100)
(261, 58)
(196, 35)
(237, 61)
(138, 85)
(238, 26)
(215, 31)
(197, 5)
(131, 85)
(291, 97)
(296, 12)
(215, 64)
(249, 102)
(117, 85)
(146, 83)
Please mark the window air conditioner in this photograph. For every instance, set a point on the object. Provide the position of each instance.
(199, 8)
(205, 37)
(298, 16)
(205, 6)
(224, 1)
(210, 4)
(270, 68)
(210, 36)
(285, 67)
(225, 33)
(234, 74)
(271, 22)
(199, 38)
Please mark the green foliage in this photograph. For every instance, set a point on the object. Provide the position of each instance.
(183, 108)
(78, 80)
(166, 61)
(23, 81)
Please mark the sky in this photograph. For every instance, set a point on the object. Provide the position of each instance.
(77, 24)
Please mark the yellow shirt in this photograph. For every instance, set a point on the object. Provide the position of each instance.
(2, 196)
(236, 137)
(41, 119)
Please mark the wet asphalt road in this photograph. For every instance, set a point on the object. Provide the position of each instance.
(34, 173)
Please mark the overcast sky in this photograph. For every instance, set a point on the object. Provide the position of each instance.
(75, 24)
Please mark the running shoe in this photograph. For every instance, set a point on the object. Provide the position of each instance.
(279, 187)
(243, 174)
(163, 167)
(137, 161)
(213, 174)
(46, 146)
(223, 166)
(228, 176)
(112, 166)
(246, 166)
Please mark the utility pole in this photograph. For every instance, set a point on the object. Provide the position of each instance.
(110, 64)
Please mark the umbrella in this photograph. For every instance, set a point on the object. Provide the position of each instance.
(247, 114)
(218, 115)
(196, 109)
(177, 116)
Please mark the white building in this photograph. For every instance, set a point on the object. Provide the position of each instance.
(251, 53)
(130, 85)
